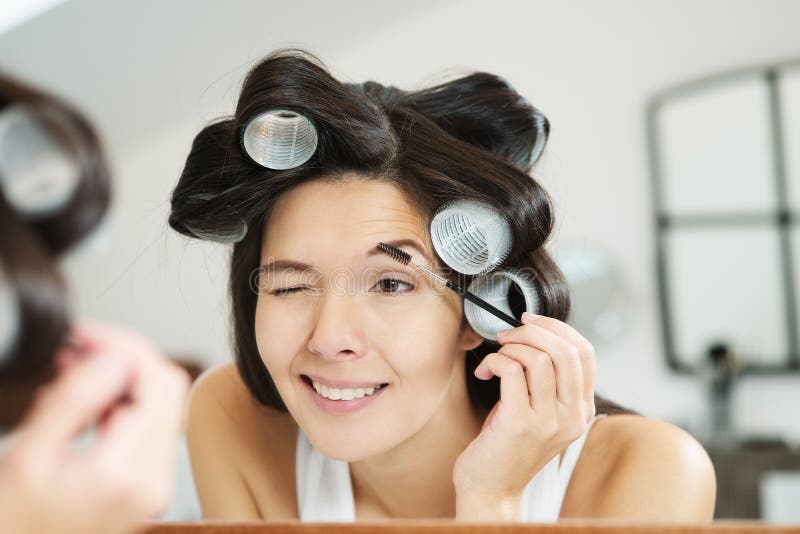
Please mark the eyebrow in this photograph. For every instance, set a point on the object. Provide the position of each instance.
(280, 265)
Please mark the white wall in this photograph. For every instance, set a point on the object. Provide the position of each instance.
(151, 73)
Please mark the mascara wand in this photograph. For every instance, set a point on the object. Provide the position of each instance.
(405, 258)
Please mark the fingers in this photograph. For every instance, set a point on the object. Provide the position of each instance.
(73, 401)
(149, 425)
(144, 431)
(540, 334)
(153, 417)
(587, 355)
(131, 456)
(513, 384)
(90, 335)
(565, 356)
(539, 373)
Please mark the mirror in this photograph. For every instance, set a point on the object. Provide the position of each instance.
(725, 154)
(719, 297)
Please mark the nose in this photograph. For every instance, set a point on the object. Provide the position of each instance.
(338, 332)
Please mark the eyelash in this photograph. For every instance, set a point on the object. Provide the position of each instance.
(290, 290)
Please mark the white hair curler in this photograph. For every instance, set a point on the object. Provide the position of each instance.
(9, 319)
(225, 236)
(37, 174)
(470, 237)
(508, 290)
(541, 136)
(280, 139)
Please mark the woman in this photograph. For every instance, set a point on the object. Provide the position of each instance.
(448, 424)
(54, 189)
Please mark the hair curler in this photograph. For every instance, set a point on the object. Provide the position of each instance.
(510, 290)
(470, 237)
(279, 139)
(37, 174)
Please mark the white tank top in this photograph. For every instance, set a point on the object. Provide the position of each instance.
(325, 493)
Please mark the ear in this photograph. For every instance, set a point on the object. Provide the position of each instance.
(468, 338)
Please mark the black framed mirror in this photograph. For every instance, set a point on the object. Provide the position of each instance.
(725, 169)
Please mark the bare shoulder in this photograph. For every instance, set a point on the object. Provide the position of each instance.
(239, 449)
(222, 386)
(641, 468)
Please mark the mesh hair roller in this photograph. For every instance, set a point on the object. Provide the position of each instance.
(512, 291)
(37, 174)
(541, 136)
(280, 139)
(9, 319)
(225, 236)
(470, 237)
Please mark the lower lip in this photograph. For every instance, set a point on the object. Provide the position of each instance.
(342, 406)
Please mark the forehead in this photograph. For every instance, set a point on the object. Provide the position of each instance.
(344, 216)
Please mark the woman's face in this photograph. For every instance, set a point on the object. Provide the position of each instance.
(355, 316)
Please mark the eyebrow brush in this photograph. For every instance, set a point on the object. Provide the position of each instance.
(405, 258)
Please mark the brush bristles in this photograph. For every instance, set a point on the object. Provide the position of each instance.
(395, 253)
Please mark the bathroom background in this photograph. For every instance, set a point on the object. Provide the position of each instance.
(629, 88)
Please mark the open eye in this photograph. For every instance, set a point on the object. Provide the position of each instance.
(393, 286)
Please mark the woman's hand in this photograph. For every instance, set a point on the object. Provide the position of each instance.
(547, 376)
(117, 380)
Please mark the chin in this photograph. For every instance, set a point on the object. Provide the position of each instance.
(352, 449)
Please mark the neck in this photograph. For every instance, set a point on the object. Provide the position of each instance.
(415, 478)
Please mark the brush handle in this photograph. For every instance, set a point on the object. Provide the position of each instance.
(483, 304)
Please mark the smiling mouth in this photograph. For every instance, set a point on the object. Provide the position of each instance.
(344, 394)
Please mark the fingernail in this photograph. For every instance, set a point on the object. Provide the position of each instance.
(528, 316)
(503, 333)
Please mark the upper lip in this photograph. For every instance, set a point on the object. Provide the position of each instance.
(343, 384)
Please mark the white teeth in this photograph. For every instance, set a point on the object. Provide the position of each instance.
(343, 394)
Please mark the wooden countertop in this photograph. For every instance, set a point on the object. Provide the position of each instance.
(440, 527)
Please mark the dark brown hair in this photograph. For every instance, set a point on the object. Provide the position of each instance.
(30, 246)
(473, 137)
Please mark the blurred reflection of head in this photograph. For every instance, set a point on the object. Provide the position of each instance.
(54, 190)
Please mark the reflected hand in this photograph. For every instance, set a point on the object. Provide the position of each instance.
(547, 375)
(117, 380)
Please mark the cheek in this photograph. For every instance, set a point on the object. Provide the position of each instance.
(426, 339)
(278, 336)
(435, 324)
